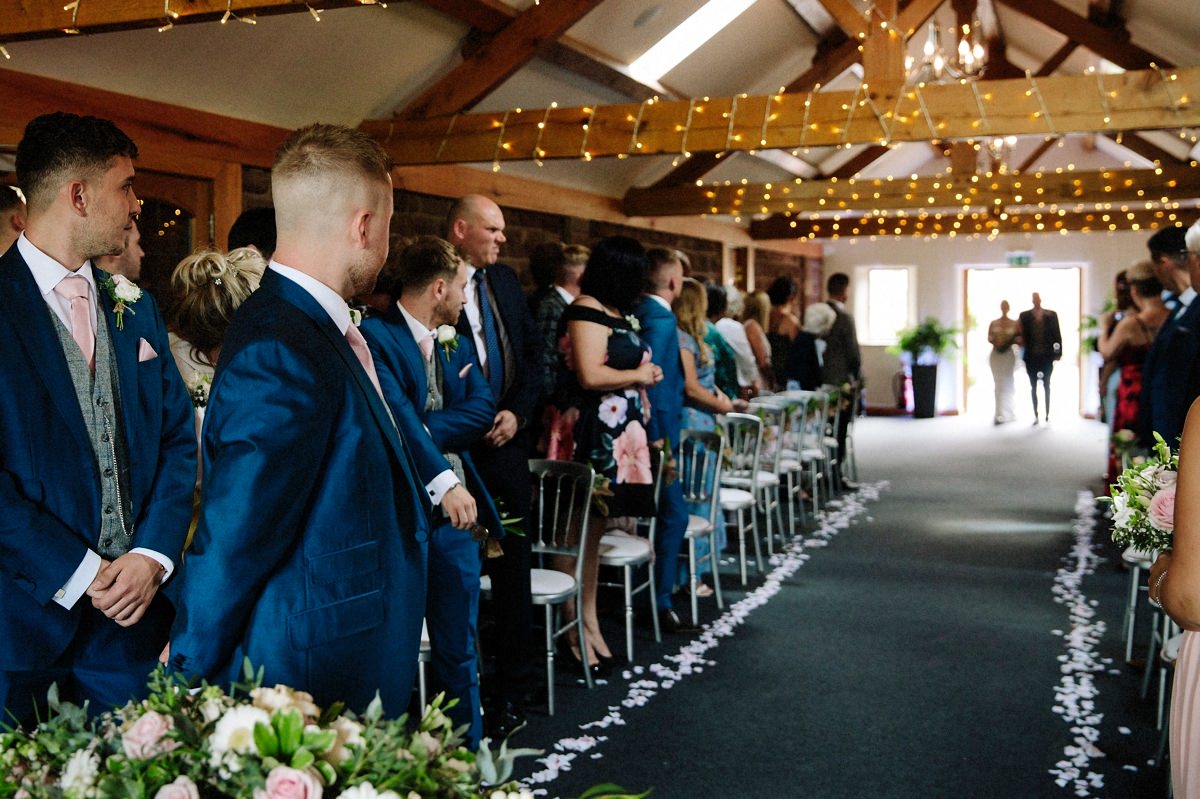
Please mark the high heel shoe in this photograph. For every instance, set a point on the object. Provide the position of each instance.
(575, 660)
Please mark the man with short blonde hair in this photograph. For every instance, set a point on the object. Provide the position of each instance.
(310, 548)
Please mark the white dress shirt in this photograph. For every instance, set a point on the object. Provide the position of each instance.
(474, 318)
(735, 334)
(47, 273)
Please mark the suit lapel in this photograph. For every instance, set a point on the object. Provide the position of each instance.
(407, 345)
(21, 300)
(124, 347)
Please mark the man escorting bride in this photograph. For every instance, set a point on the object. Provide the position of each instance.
(1004, 334)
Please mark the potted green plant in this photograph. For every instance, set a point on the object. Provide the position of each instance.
(925, 344)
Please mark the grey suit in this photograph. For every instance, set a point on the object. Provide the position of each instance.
(843, 359)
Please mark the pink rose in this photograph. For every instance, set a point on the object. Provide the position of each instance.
(182, 788)
(289, 783)
(147, 737)
(1162, 510)
(632, 455)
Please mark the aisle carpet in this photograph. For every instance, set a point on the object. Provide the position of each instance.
(951, 630)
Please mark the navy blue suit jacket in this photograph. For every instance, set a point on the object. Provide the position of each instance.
(660, 331)
(309, 553)
(49, 483)
(468, 407)
(505, 469)
(1172, 377)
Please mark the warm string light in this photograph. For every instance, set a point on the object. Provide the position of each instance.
(807, 108)
(73, 7)
(4, 52)
(687, 128)
(925, 110)
(987, 125)
(316, 12)
(1041, 101)
(249, 20)
(587, 129)
(499, 143)
(538, 152)
(445, 138)
(637, 124)
(729, 128)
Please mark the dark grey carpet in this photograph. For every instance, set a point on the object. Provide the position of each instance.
(911, 657)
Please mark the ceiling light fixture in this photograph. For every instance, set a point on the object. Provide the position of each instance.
(687, 37)
(968, 61)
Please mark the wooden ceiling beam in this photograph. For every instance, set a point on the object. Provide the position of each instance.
(487, 16)
(848, 17)
(1111, 43)
(1053, 105)
(959, 225)
(21, 20)
(859, 162)
(1151, 151)
(1064, 189)
(488, 66)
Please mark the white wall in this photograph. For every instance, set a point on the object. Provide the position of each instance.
(940, 285)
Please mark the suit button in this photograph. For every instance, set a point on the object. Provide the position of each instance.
(100, 403)
(108, 472)
(108, 510)
(108, 542)
(104, 438)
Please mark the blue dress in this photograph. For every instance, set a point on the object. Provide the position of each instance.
(697, 418)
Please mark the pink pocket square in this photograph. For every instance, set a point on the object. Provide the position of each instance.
(463, 372)
(145, 351)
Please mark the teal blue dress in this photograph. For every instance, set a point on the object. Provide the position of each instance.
(697, 418)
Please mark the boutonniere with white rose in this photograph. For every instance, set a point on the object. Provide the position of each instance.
(124, 292)
(447, 337)
(634, 324)
(356, 316)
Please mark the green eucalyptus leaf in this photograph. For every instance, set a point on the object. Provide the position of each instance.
(289, 725)
(302, 759)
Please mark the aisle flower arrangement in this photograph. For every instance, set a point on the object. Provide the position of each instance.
(1143, 500)
(251, 742)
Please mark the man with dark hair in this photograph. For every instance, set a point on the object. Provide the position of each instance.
(660, 332)
(1169, 382)
(443, 405)
(1041, 347)
(497, 320)
(255, 227)
(842, 364)
(309, 555)
(98, 460)
(12, 216)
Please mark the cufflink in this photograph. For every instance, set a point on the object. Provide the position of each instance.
(59, 594)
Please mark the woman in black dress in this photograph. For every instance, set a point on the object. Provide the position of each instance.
(607, 369)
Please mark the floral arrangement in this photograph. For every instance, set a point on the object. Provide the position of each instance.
(1124, 442)
(1143, 500)
(198, 386)
(265, 743)
(123, 293)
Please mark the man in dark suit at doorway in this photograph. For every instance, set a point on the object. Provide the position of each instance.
(497, 319)
(1043, 346)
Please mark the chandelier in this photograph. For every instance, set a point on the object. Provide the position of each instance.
(967, 61)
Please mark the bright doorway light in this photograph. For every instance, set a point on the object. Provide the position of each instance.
(680, 43)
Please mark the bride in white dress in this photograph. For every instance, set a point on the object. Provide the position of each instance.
(1003, 334)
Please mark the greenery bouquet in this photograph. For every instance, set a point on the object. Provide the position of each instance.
(1143, 500)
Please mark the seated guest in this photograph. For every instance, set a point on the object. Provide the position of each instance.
(12, 216)
(734, 333)
(443, 405)
(702, 398)
(609, 365)
(723, 355)
(756, 311)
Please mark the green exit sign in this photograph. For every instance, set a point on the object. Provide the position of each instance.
(1020, 258)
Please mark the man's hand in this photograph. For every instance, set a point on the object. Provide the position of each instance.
(504, 427)
(125, 587)
(459, 506)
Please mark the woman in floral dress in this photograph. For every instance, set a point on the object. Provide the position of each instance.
(608, 368)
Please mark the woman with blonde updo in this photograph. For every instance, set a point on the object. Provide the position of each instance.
(208, 287)
(756, 312)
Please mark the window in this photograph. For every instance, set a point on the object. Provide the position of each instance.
(884, 302)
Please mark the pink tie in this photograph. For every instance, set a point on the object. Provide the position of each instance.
(359, 345)
(74, 289)
(426, 345)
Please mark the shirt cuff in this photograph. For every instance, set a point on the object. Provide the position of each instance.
(80, 581)
(162, 560)
(438, 486)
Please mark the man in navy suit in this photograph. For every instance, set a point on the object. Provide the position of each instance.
(660, 332)
(443, 405)
(1171, 377)
(310, 549)
(97, 449)
(498, 322)
(1166, 395)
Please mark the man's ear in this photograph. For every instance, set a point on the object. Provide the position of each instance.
(77, 191)
(361, 226)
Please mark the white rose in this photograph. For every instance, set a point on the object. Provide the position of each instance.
(446, 334)
(79, 776)
(1165, 479)
(366, 790)
(234, 733)
(281, 697)
(125, 290)
(181, 788)
(348, 732)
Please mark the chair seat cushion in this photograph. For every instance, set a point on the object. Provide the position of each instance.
(485, 584)
(697, 526)
(764, 479)
(619, 549)
(812, 455)
(548, 585)
(790, 465)
(735, 499)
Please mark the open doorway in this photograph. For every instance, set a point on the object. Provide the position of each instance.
(1059, 287)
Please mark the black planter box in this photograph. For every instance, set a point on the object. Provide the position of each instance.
(924, 388)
